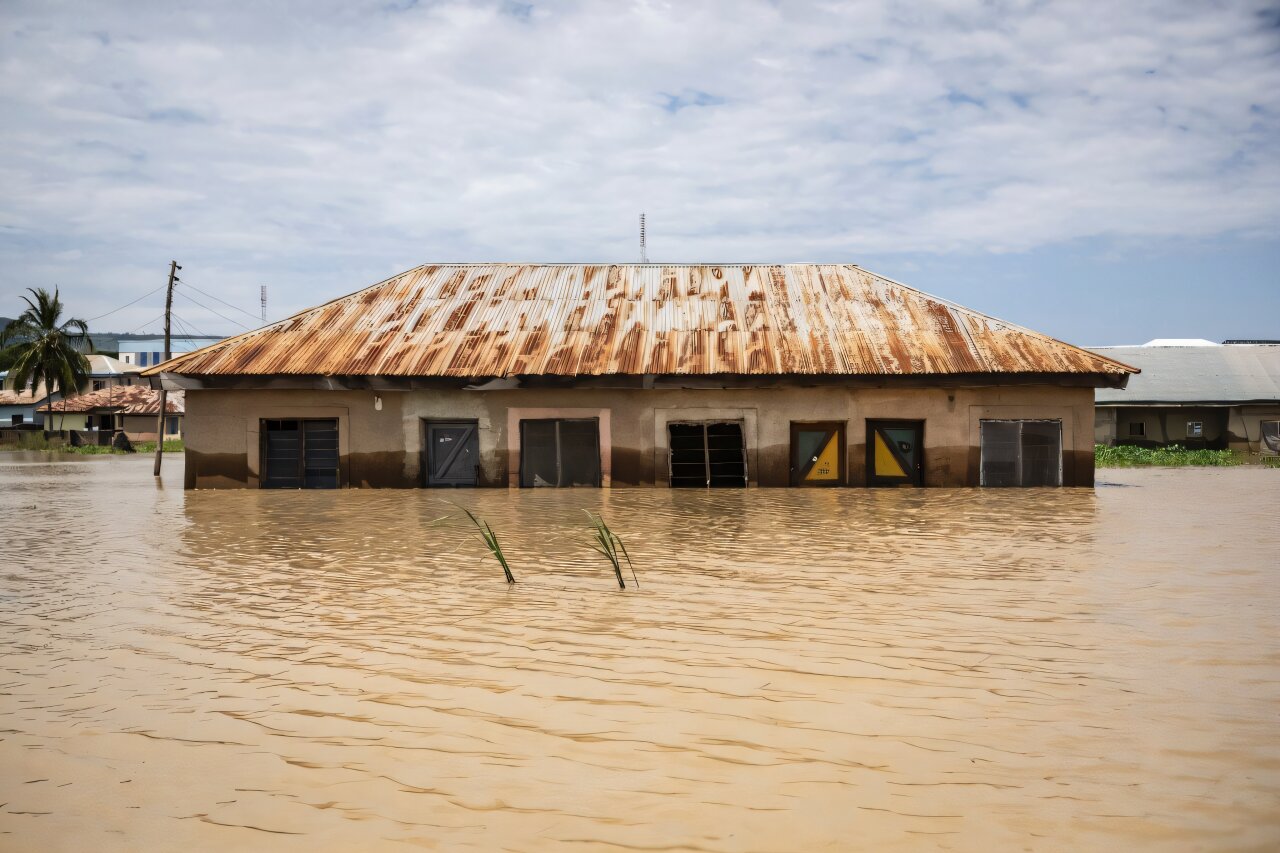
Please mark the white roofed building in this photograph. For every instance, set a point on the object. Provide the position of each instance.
(1194, 393)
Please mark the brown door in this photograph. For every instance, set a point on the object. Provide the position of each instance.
(895, 453)
(817, 454)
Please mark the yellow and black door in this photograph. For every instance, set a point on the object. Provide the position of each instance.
(895, 453)
(817, 454)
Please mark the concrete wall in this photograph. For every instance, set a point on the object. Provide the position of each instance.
(1244, 427)
(381, 433)
(143, 427)
(67, 421)
(28, 413)
(1168, 425)
(1225, 427)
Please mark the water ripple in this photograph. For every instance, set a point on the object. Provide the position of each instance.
(1047, 669)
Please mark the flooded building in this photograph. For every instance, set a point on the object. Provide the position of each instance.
(1194, 393)
(19, 406)
(122, 408)
(640, 374)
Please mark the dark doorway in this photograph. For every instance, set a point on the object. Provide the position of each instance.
(895, 453)
(707, 455)
(560, 452)
(453, 454)
(300, 454)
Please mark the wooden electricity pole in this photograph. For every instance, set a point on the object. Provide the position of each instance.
(164, 395)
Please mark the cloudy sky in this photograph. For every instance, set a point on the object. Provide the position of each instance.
(1104, 172)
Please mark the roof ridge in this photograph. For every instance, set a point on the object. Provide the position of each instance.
(784, 301)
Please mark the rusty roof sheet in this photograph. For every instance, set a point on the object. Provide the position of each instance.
(127, 399)
(494, 320)
(23, 398)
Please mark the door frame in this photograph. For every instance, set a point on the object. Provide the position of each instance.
(425, 460)
(915, 478)
(842, 437)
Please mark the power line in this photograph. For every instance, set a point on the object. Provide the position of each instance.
(143, 326)
(223, 301)
(192, 331)
(183, 327)
(126, 305)
(210, 310)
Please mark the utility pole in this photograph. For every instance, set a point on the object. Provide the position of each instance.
(164, 395)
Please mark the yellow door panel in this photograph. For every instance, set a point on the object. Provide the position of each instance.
(886, 463)
(827, 467)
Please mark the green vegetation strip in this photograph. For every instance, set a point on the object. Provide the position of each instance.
(37, 441)
(1126, 456)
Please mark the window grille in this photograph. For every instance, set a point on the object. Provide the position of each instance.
(1021, 453)
(559, 452)
(707, 455)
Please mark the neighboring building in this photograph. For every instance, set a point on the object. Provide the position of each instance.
(130, 409)
(18, 407)
(697, 375)
(22, 408)
(108, 372)
(1196, 394)
(143, 352)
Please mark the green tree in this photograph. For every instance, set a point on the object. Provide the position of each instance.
(41, 347)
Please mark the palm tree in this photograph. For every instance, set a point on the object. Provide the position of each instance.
(41, 347)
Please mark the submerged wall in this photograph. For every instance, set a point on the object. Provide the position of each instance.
(1223, 427)
(381, 434)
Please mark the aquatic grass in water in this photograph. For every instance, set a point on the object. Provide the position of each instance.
(608, 544)
(490, 539)
(1129, 456)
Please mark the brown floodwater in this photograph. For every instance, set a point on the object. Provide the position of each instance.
(799, 670)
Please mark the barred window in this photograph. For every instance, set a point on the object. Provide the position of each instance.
(1021, 452)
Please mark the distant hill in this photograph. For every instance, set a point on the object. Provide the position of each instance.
(105, 342)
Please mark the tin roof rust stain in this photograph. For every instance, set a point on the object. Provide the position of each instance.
(493, 320)
(127, 399)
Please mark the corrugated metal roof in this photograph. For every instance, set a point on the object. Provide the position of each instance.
(1236, 373)
(127, 399)
(105, 365)
(9, 397)
(493, 320)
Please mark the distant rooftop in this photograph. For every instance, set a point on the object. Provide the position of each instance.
(1180, 342)
(1181, 374)
(105, 365)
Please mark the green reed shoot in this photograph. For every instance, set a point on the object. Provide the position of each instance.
(608, 544)
(490, 539)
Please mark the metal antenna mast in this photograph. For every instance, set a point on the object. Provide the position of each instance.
(264, 303)
(644, 248)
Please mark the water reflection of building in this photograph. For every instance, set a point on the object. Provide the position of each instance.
(643, 374)
(1195, 393)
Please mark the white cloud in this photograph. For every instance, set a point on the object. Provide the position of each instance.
(313, 149)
